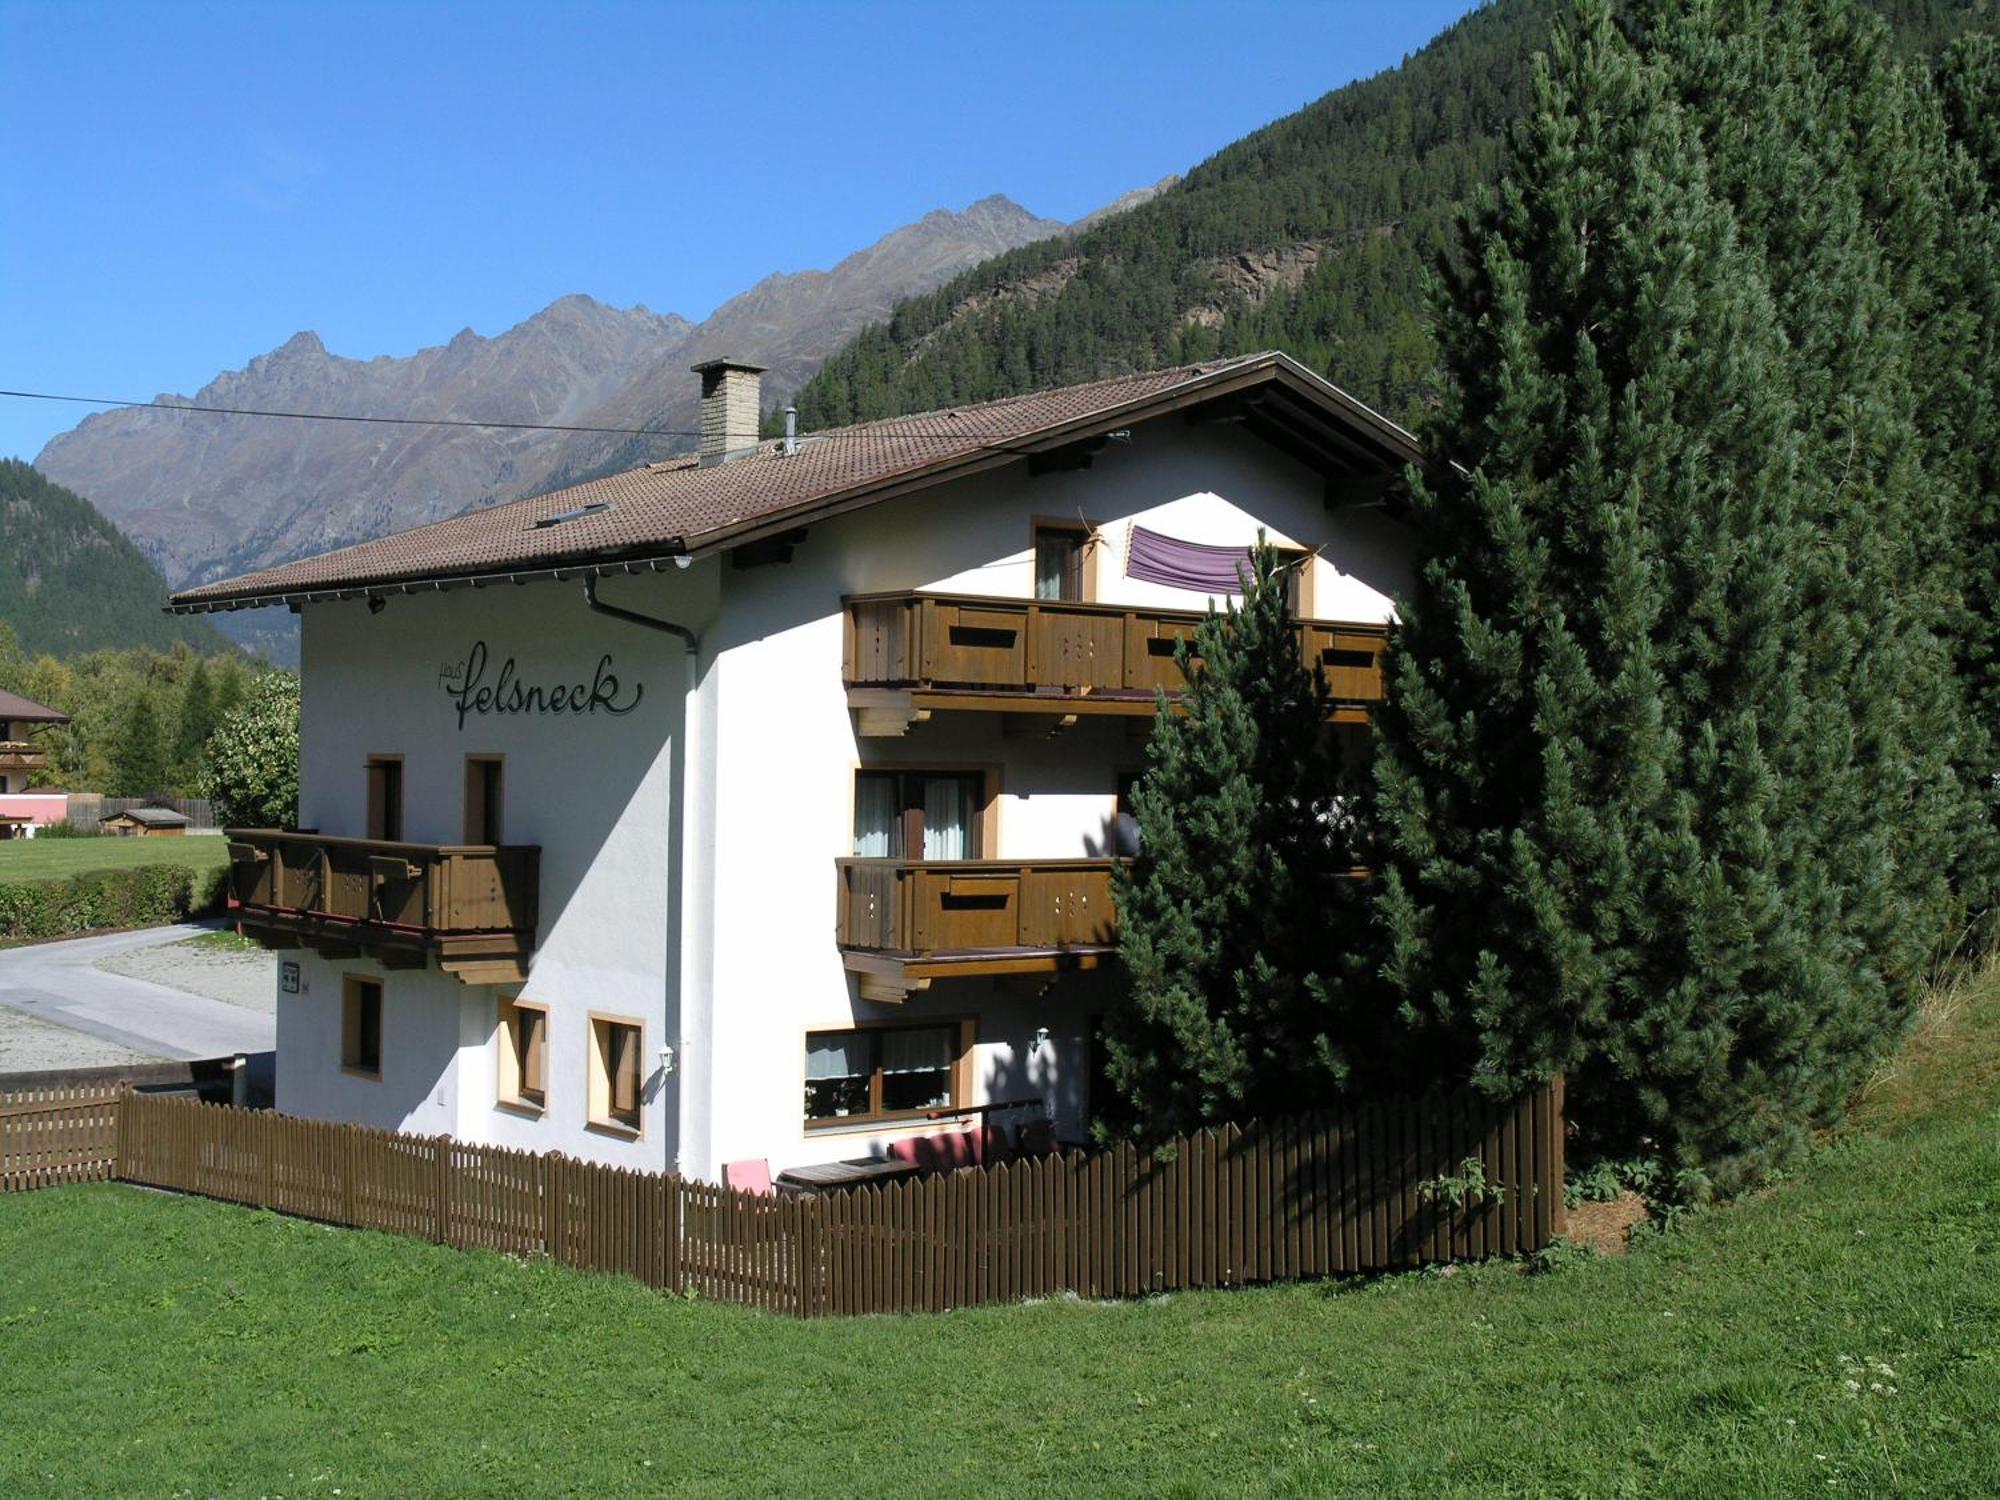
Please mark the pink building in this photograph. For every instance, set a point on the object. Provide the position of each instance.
(24, 805)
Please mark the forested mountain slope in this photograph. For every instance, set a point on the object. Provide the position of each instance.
(1311, 235)
(70, 582)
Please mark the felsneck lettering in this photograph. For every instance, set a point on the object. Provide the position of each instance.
(470, 693)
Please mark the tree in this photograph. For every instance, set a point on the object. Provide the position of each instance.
(1968, 407)
(1225, 915)
(138, 750)
(252, 760)
(197, 722)
(1596, 849)
(1835, 159)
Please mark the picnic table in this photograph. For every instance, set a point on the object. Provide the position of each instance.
(828, 1176)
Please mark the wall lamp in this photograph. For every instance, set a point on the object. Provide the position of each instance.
(376, 604)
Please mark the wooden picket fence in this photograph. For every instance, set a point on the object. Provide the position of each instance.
(1385, 1185)
(53, 1136)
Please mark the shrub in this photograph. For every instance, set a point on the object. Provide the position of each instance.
(252, 760)
(68, 830)
(143, 896)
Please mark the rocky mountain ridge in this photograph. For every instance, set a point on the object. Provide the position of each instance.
(205, 496)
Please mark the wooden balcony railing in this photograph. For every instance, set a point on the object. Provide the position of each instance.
(22, 755)
(472, 906)
(905, 922)
(1078, 653)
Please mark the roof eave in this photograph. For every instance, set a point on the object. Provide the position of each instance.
(649, 559)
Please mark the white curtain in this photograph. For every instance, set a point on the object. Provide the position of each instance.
(947, 818)
(877, 821)
(1051, 564)
(836, 1054)
(916, 1051)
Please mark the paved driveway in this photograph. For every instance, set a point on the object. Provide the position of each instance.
(59, 983)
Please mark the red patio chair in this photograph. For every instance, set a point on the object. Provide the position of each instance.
(749, 1176)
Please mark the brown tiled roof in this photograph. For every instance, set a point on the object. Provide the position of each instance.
(682, 506)
(152, 817)
(28, 711)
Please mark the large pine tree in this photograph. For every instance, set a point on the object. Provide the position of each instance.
(1833, 156)
(1967, 400)
(1230, 918)
(1597, 851)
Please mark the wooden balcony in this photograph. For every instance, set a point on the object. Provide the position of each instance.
(472, 907)
(908, 655)
(903, 923)
(22, 755)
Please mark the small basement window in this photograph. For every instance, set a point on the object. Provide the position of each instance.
(524, 1050)
(617, 1073)
(881, 1073)
(361, 1026)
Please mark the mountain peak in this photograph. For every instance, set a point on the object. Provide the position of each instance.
(998, 203)
(261, 492)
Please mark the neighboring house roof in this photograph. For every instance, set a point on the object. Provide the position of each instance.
(649, 516)
(152, 817)
(27, 711)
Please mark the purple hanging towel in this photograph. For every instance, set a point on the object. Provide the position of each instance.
(1186, 565)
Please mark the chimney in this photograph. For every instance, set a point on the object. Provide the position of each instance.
(729, 407)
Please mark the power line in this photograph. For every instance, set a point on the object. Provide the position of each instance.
(326, 416)
(996, 442)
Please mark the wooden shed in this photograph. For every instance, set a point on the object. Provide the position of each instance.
(147, 822)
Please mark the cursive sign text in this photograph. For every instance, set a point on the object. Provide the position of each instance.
(468, 689)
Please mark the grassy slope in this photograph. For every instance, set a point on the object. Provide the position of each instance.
(56, 859)
(157, 1344)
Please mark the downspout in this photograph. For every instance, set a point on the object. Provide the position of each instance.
(674, 1055)
(633, 617)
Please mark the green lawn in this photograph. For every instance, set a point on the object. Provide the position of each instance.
(53, 859)
(220, 942)
(1837, 1335)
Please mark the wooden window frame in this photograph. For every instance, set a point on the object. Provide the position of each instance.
(351, 988)
(495, 817)
(986, 823)
(1086, 567)
(598, 1116)
(1300, 604)
(377, 812)
(509, 1091)
(961, 1073)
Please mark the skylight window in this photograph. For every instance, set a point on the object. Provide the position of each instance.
(573, 514)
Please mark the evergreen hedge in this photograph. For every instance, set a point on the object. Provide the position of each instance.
(143, 896)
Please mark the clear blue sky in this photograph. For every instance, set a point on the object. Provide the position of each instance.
(184, 186)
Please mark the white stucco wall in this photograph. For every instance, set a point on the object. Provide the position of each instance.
(786, 751)
(708, 912)
(593, 790)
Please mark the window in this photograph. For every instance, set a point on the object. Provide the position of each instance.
(482, 799)
(881, 1073)
(385, 798)
(617, 1073)
(361, 1026)
(524, 1054)
(1059, 562)
(918, 814)
(1298, 581)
